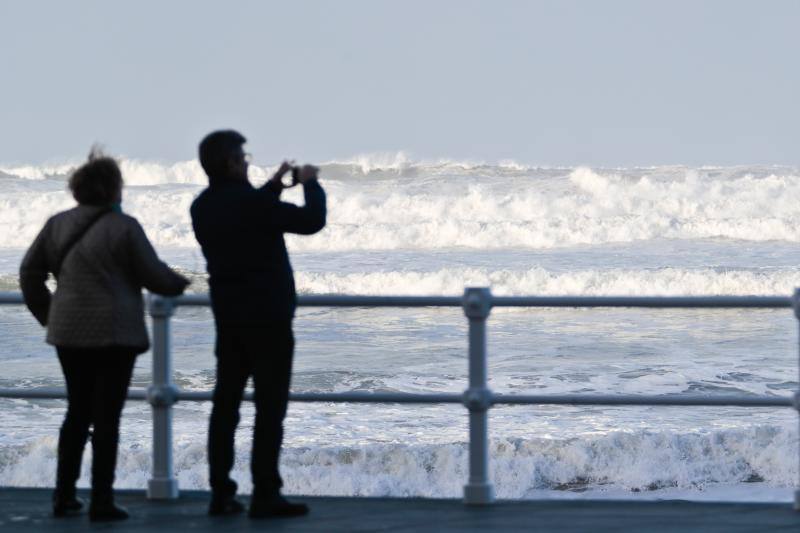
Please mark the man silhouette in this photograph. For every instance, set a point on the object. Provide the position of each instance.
(240, 230)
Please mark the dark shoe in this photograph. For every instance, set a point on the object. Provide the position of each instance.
(66, 505)
(107, 512)
(276, 507)
(224, 505)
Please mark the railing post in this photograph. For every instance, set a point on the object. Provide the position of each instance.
(478, 398)
(796, 306)
(162, 394)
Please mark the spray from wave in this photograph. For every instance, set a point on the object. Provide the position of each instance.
(632, 461)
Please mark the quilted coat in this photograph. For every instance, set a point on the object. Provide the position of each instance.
(98, 297)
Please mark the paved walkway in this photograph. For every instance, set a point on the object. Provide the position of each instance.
(28, 510)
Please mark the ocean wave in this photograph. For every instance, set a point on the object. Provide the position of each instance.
(533, 281)
(632, 461)
(532, 210)
(375, 165)
(138, 172)
(540, 281)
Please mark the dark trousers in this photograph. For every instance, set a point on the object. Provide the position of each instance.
(266, 354)
(97, 383)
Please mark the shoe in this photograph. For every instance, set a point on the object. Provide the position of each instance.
(276, 507)
(107, 512)
(66, 505)
(224, 505)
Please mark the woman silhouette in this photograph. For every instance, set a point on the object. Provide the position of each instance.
(101, 259)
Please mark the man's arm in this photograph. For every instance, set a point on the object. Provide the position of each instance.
(275, 183)
(304, 220)
(289, 218)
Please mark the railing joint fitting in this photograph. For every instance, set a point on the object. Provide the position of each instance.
(796, 303)
(477, 302)
(160, 306)
(479, 399)
(162, 395)
(796, 400)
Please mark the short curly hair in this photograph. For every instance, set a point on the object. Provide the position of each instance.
(98, 181)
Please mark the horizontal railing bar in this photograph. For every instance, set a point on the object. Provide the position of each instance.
(635, 399)
(54, 393)
(340, 300)
(59, 393)
(323, 300)
(723, 302)
(11, 298)
(189, 300)
(342, 397)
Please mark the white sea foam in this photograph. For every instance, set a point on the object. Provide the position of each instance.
(629, 461)
(139, 172)
(665, 281)
(40, 172)
(537, 280)
(529, 209)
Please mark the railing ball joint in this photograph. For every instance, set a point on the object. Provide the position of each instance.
(477, 302)
(477, 399)
(160, 307)
(796, 303)
(162, 395)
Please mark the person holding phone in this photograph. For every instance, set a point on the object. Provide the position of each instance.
(241, 230)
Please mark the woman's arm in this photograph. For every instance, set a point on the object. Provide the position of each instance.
(33, 275)
(151, 272)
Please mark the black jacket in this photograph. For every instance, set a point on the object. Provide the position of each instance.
(240, 229)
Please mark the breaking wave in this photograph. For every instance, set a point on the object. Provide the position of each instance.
(458, 205)
(137, 172)
(662, 281)
(632, 461)
(534, 281)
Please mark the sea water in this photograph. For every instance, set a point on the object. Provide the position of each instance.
(402, 227)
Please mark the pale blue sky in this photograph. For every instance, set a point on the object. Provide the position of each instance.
(557, 82)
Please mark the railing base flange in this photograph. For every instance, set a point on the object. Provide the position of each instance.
(478, 494)
(162, 489)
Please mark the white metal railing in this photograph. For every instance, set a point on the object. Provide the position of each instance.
(477, 398)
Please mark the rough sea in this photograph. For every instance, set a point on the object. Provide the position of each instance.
(406, 227)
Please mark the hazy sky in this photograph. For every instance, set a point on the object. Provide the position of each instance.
(543, 82)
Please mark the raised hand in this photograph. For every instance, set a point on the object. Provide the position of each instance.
(285, 167)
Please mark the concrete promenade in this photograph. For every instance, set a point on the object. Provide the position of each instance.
(28, 510)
